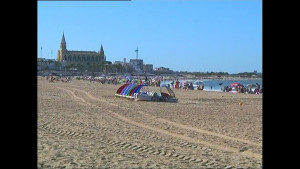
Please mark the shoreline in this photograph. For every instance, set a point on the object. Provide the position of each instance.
(187, 78)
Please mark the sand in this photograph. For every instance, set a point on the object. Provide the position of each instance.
(81, 124)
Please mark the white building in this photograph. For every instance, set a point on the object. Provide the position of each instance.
(137, 64)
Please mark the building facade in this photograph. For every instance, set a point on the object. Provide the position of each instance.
(148, 68)
(137, 64)
(84, 60)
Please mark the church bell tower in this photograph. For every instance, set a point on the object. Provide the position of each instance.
(63, 44)
(63, 48)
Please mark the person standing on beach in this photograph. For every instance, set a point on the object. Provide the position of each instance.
(211, 87)
(257, 88)
(185, 86)
(146, 82)
(141, 82)
(177, 84)
(172, 84)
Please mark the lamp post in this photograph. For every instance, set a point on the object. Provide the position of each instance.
(137, 53)
(137, 56)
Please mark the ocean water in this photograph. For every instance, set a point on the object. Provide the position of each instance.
(215, 83)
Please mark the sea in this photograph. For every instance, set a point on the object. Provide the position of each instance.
(218, 84)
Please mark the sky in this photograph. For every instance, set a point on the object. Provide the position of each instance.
(183, 35)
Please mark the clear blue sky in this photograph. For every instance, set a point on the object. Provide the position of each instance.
(183, 35)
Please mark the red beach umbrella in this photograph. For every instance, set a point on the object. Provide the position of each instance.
(236, 85)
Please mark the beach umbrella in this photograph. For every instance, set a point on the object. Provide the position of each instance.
(251, 85)
(236, 85)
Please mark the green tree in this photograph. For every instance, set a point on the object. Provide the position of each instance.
(42, 64)
(80, 66)
(70, 66)
(50, 62)
(58, 65)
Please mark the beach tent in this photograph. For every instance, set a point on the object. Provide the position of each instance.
(122, 87)
(135, 90)
(129, 89)
(170, 91)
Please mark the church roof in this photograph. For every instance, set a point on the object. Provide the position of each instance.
(82, 52)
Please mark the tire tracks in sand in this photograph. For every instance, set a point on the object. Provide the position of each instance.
(134, 147)
(177, 124)
(71, 122)
(191, 140)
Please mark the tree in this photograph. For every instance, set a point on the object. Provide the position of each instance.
(70, 66)
(39, 64)
(79, 66)
(49, 63)
(58, 65)
(42, 62)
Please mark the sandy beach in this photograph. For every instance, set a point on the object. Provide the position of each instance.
(81, 124)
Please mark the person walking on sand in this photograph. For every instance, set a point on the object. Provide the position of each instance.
(177, 84)
(257, 89)
(211, 87)
(185, 86)
(146, 82)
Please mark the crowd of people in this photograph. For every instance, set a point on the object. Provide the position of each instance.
(52, 78)
(242, 89)
(156, 82)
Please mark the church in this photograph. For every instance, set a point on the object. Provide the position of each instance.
(82, 60)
